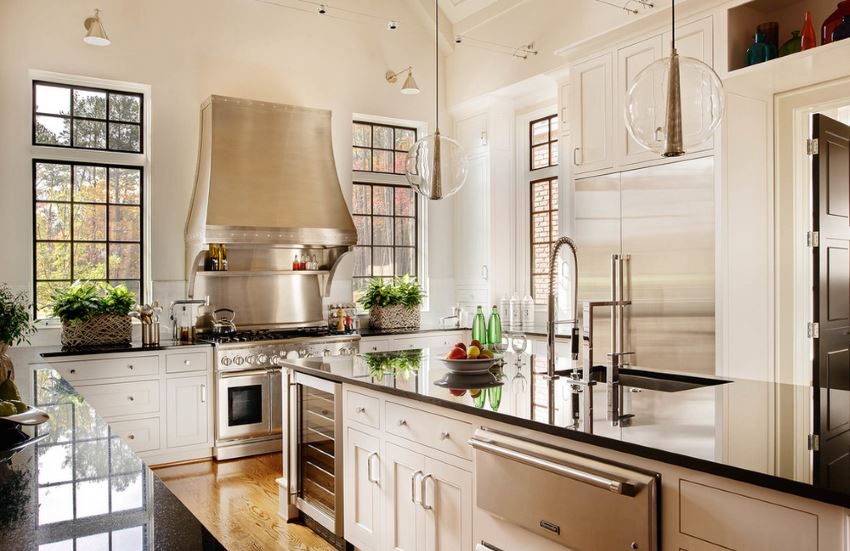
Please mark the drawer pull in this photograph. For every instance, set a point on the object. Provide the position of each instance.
(445, 436)
(203, 394)
(402, 423)
(131, 436)
(372, 479)
(422, 488)
(130, 398)
(360, 409)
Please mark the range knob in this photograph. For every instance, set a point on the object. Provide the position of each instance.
(304, 353)
(262, 359)
(277, 360)
(225, 361)
(250, 360)
(238, 360)
(326, 352)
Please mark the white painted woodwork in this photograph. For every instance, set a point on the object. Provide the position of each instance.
(404, 519)
(447, 494)
(471, 133)
(563, 110)
(472, 244)
(187, 411)
(131, 398)
(140, 434)
(631, 60)
(591, 109)
(435, 431)
(363, 481)
(89, 369)
(186, 361)
(372, 344)
(361, 408)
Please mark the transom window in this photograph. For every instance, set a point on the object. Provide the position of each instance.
(381, 148)
(386, 217)
(544, 142)
(87, 118)
(87, 225)
(544, 231)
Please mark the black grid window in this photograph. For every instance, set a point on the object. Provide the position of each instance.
(87, 118)
(386, 217)
(543, 140)
(87, 224)
(544, 231)
(381, 148)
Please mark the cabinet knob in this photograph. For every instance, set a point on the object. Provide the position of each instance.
(130, 398)
(130, 367)
(444, 435)
(360, 410)
(187, 362)
(73, 371)
(131, 437)
(402, 422)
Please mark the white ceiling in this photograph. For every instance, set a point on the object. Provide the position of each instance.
(458, 10)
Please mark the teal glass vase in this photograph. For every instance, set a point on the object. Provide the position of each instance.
(760, 51)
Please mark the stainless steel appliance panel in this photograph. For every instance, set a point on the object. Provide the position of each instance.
(576, 501)
(275, 400)
(243, 405)
(668, 237)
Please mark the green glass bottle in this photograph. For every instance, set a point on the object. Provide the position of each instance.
(479, 327)
(494, 327)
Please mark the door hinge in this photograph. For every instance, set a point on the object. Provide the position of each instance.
(813, 330)
(812, 146)
(813, 239)
(814, 442)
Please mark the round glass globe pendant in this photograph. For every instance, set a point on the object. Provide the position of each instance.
(436, 165)
(675, 104)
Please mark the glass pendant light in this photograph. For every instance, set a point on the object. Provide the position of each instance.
(436, 165)
(674, 104)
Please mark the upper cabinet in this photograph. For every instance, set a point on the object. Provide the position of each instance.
(590, 111)
(631, 60)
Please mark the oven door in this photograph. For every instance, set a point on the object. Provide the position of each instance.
(243, 404)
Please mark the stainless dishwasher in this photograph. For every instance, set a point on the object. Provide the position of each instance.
(582, 503)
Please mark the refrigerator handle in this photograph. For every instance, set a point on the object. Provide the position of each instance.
(624, 279)
(615, 292)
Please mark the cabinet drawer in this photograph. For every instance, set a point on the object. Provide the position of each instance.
(87, 370)
(363, 409)
(186, 361)
(115, 399)
(374, 345)
(140, 434)
(435, 431)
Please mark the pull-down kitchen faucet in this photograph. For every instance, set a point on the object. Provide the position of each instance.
(552, 323)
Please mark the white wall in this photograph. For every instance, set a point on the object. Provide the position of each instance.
(186, 51)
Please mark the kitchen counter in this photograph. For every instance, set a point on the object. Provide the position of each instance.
(64, 351)
(75, 485)
(375, 332)
(719, 429)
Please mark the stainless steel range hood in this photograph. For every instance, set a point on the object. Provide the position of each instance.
(267, 187)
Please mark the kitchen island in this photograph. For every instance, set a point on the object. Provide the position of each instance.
(72, 483)
(720, 457)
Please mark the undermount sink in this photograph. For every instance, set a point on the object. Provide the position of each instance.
(661, 382)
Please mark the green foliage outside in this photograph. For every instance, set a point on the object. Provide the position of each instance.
(405, 291)
(398, 364)
(85, 299)
(15, 322)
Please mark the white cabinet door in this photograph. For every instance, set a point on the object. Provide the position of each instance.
(471, 132)
(564, 108)
(447, 501)
(472, 223)
(631, 60)
(590, 113)
(187, 411)
(362, 490)
(404, 522)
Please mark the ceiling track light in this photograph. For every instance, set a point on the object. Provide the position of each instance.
(521, 52)
(322, 9)
(627, 6)
(95, 35)
(409, 87)
(392, 25)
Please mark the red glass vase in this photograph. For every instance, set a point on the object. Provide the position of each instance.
(809, 39)
(833, 21)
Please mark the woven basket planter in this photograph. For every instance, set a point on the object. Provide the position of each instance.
(394, 317)
(100, 329)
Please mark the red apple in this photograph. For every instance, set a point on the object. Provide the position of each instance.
(457, 353)
(461, 346)
(457, 391)
(476, 344)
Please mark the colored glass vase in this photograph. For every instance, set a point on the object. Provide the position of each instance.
(760, 51)
(808, 40)
(842, 31)
(792, 45)
(835, 19)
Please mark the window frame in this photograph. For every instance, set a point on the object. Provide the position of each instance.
(548, 143)
(107, 241)
(51, 153)
(372, 148)
(71, 117)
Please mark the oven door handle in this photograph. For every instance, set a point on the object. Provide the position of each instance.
(251, 373)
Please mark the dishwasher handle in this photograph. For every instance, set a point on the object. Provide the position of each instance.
(615, 486)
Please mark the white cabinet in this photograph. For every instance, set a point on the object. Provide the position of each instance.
(404, 518)
(591, 105)
(362, 508)
(187, 411)
(471, 132)
(472, 220)
(374, 345)
(447, 501)
(631, 60)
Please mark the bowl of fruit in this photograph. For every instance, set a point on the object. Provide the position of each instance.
(469, 359)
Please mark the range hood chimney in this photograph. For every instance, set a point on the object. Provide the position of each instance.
(266, 187)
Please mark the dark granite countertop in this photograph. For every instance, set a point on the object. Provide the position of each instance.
(75, 485)
(63, 351)
(751, 431)
(375, 332)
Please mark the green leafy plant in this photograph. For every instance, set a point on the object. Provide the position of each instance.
(401, 363)
(15, 322)
(405, 291)
(84, 299)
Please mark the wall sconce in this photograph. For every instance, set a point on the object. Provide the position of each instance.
(409, 87)
(95, 35)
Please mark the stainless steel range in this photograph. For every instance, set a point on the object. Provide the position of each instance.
(248, 384)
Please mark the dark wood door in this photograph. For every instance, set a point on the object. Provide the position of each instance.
(831, 271)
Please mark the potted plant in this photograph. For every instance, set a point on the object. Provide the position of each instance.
(393, 305)
(93, 313)
(15, 326)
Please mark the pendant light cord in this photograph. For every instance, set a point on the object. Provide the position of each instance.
(437, 60)
(673, 17)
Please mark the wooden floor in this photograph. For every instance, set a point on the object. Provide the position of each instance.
(237, 502)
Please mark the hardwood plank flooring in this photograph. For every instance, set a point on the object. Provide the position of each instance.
(237, 502)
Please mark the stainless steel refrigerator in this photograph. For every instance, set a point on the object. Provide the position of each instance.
(656, 225)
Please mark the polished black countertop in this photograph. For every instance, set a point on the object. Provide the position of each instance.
(750, 431)
(73, 484)
(375, 332)
(65, 351)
